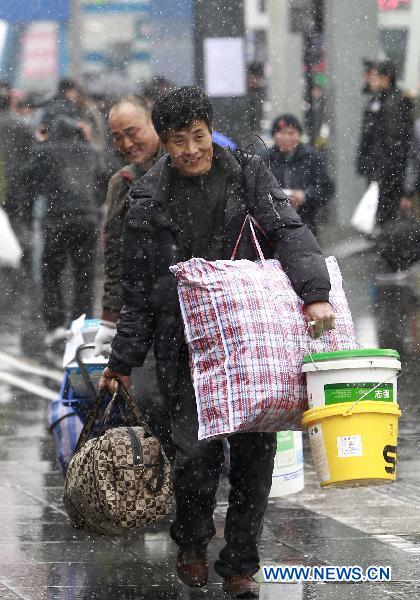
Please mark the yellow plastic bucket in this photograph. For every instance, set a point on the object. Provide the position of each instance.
(354, 445)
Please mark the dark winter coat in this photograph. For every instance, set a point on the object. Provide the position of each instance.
(66, 170)
(385, 137)
(117, 204)
(304, 170)
(412, 172)
(16, 140)
(151, 245)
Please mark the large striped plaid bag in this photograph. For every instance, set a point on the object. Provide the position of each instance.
(246, 333)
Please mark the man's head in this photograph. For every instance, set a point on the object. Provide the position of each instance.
(381, 77)
(69, 89)
(183, 120)
(132, 130)
(286, 131)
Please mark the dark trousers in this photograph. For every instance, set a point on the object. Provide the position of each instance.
(152, 405)
(75, 241)
(196, 475)
(390, 193)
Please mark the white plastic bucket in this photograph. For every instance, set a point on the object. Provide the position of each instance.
(288, 464)
(351, 376)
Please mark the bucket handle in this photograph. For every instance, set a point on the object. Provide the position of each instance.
(343, 333)
(349, 411)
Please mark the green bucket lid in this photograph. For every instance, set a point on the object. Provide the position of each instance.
(343, 354)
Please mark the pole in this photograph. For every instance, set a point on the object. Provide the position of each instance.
(75, 39)
(412, 63)
(214, 19)
(285, 50)
(351, 35)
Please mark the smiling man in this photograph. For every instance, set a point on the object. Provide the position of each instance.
(193, 202)
(135, 137)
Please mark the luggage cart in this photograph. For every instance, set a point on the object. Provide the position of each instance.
(68, 412)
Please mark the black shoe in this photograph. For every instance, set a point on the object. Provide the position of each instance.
(192, 567)
(241, 586)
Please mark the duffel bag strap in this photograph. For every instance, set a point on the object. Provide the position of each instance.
(121, 392)
(90, 421)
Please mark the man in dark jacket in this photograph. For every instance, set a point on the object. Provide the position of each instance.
(16, 141)
(299, 169)
(193, 202)
(135, 137)
(385, 139)
(64, 169)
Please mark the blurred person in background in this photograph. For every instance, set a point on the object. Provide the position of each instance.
(64, 170)
(399, 240)
(63, 104)
(155, 88)
(320, 119)
(299, 170)
(16, 141)
(385, 138)
(135, 137)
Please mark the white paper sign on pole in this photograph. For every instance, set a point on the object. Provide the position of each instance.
(224, 67)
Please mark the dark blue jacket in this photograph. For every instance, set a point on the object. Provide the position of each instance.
(304, 170)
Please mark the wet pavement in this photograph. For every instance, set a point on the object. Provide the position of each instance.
(43, 558)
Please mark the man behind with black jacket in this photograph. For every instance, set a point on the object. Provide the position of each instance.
(385, 138)
(193, 202)
(299, 169)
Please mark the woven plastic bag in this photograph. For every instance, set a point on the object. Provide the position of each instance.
(246, 333)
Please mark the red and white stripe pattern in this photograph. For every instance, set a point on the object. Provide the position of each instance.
(247, 336)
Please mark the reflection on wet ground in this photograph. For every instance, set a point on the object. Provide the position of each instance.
(43, 558)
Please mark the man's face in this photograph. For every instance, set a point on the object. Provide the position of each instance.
(377, 82)
(191, 150)
(133, 133)
(287, 139)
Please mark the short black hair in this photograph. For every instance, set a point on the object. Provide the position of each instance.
(178, 109)
(65, 85)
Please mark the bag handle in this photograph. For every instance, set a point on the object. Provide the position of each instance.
(122, 393)
(90, 421)
(98, 412)
(249, 219)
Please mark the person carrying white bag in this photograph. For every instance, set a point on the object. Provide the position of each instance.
(193, 202)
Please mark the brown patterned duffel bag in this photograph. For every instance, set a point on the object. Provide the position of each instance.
(120, 480)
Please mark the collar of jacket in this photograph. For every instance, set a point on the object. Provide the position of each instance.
(134, 171)
(279, 156)
(229, 165)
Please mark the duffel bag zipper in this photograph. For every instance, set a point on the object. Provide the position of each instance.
(137, 449)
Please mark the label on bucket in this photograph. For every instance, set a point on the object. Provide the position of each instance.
(351, 392)
(319, 454)
(285, 455)
(349, 445)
